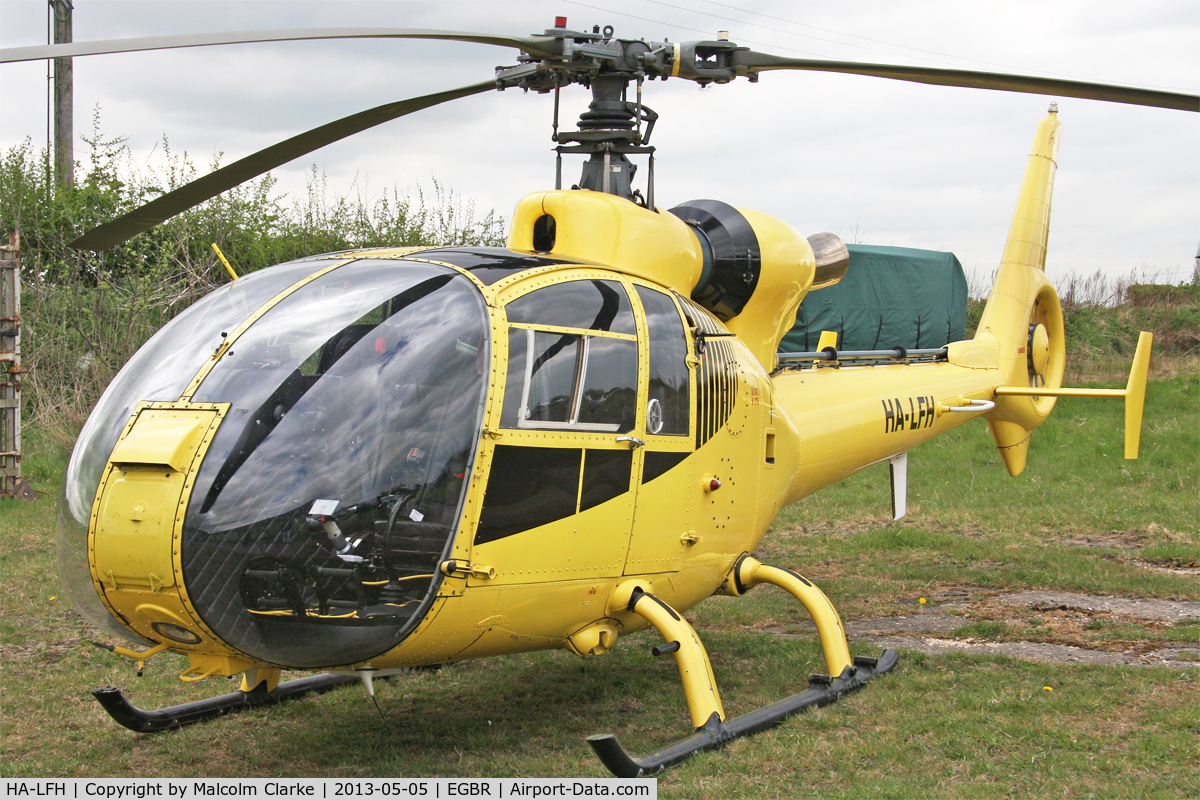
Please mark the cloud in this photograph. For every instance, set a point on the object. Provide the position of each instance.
(903, 163)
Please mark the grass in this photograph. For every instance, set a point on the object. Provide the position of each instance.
(1080, 519)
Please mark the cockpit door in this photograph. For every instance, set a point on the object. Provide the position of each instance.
(666, 488)
(561, 460)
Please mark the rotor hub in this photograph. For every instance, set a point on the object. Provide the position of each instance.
(614, 128)
(1039, 348)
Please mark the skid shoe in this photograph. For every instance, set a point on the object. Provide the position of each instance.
(716, 733)
(713, 731)
(142, 721)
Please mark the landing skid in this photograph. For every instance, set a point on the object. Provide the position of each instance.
(136, 719)
(713, 731)
(715, 734)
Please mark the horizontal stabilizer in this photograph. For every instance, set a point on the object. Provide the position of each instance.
(1134, 394)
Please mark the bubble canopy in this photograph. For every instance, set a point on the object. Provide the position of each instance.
(336, 479)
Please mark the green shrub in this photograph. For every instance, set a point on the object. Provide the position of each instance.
(84, 314)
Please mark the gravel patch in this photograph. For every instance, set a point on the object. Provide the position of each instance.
(924, 632)
(921, 623)
(1171, 610)
(1037, 651)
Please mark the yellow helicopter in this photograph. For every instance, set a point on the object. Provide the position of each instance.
(370, 461)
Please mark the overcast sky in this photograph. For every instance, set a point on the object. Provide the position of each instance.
(879, 161)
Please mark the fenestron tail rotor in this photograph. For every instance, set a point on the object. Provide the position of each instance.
(1039, 355)
(1024, 318)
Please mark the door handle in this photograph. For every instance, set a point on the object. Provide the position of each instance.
(634, 442)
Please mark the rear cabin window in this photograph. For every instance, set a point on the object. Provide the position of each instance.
(667, 406)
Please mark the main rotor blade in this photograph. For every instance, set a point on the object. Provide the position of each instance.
(141, 219)
(538, 46)
(759, 62)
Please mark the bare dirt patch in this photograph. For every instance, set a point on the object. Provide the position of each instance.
(1116, 540)
(44, 652)
(1123, 540)
(1174, 566)
(1029, 651)
(1171, 610)
(1060, 627)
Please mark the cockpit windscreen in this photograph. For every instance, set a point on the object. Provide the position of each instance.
(336, 480)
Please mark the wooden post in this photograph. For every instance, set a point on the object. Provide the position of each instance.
(11, 484)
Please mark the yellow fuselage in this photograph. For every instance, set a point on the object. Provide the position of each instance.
(642, 440)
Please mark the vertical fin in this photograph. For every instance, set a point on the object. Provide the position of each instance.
(1021, 275)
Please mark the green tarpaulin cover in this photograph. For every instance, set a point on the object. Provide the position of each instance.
(890, 296)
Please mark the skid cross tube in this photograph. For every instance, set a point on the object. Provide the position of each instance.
(749, 572)
(695, 670)
(136, 719)
(716, 734)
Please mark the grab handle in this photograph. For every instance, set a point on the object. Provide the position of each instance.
(972, 405)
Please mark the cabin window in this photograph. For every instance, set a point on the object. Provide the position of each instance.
(551, 377)
(528, 487)
(667, 406)
(581, 375)
(568, 380)
(589, 305)
(533, 486)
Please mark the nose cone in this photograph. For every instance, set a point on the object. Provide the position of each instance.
(159, 372)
